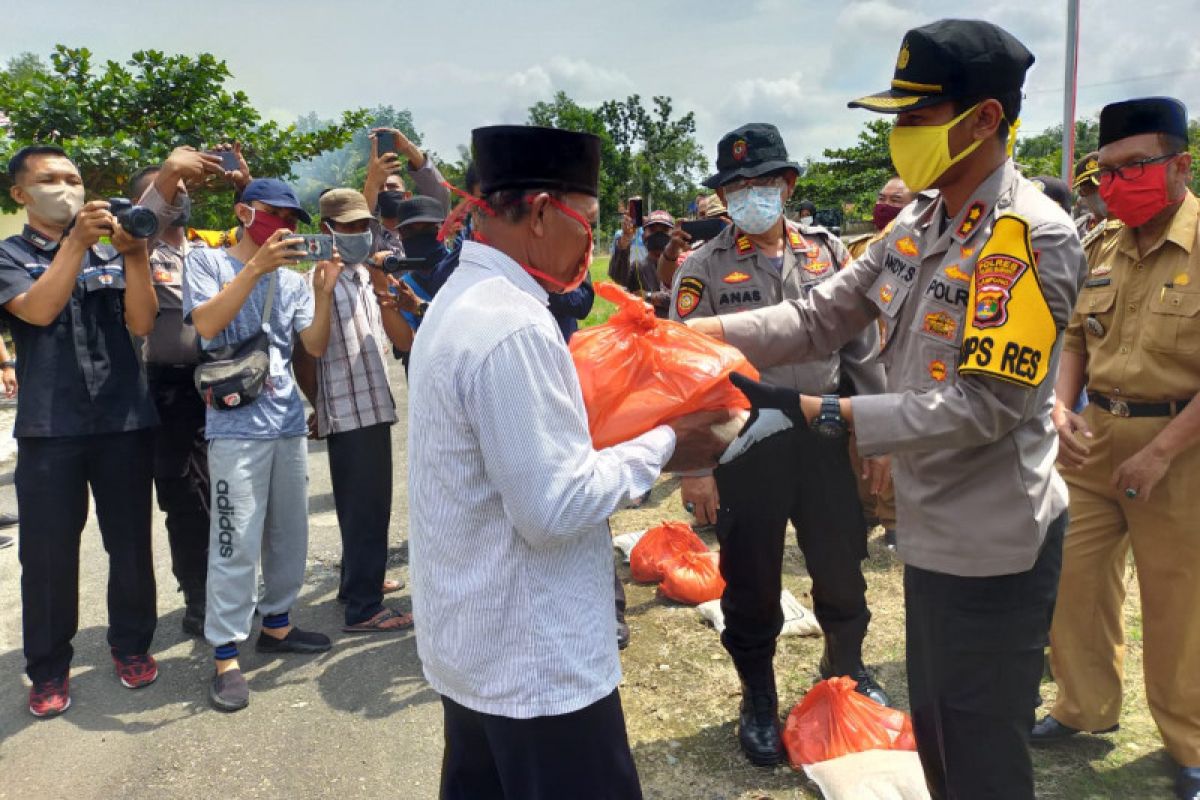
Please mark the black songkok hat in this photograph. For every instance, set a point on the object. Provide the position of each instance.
(522, 157)
(1143, 115)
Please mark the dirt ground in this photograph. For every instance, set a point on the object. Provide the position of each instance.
(681, 692)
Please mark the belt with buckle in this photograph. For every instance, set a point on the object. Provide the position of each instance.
(1123, 408)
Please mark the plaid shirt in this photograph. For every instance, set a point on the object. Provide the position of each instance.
(352, 377)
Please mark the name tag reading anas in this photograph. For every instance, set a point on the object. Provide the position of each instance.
(1010, 330)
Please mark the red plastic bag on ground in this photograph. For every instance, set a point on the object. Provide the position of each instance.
(658, 546)
(834, 720)
(638, 371)
(693, 578)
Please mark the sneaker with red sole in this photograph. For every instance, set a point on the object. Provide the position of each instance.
(50, 698)
(135, 671)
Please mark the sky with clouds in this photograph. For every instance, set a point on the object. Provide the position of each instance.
(469, 63)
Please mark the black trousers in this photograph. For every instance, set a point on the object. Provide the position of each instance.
(181, 474)
(360, 469)
(52, 479)
(974, 664)
(583, 755)
(798, 476)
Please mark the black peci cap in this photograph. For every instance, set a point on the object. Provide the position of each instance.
(1143, 115)
(522, 157)
(951, 59)
(420, 209)
(748, 152)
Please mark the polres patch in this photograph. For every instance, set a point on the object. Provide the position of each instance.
(691, 292)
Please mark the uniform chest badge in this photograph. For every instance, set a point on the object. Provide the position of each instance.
(736, 277)
(937, 370)
(1182, 279)
(940, 325)
(162, 276)
(971, 219)
(966, 252)
(744, 246)
(908, 247)
(105, 279)
(887, 293)
(1102, 269)
(817, 268)
(955, 273)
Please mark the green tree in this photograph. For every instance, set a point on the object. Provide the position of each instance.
(346, 166)
(849, 178)
(642, 152)
(1041, 153)
(118, 118)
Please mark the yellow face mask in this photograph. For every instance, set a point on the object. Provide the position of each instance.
(921, 153)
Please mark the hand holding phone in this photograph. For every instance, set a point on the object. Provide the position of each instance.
(636, 212)
(385, 143)
(229, 159)
(701, 230)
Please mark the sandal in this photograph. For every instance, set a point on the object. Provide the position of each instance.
(385, 621)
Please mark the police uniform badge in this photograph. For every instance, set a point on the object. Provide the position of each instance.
(1010, 331)
(1094, 326)
(954, 272)
(937, 370)
(744, 245)
(971, 219)
(691, 291)
(736, 276)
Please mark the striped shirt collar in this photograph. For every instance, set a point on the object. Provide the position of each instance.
(493, 260)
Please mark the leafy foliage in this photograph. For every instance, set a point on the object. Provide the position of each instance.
(118, 118)
(643, 152)
(850, 177)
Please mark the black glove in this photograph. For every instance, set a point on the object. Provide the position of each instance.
(764, 395)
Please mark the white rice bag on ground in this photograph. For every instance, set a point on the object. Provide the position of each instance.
(625, 542)
(797, 620)
(873, 775)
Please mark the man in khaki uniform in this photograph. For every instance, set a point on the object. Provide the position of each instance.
(974, 284)
(759, 261)
(1135, 466)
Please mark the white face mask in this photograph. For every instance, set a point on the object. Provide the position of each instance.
(57, 203)
(806, 220)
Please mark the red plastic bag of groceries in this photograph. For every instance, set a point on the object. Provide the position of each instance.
(658, 546)
(638, 371)
(693, 578)
(834, 720)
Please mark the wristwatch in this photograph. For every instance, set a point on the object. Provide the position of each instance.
(829, 422)
(8, 365)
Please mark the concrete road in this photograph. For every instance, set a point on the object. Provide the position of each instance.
(356, 722)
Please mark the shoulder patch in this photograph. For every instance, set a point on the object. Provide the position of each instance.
(736, 277)
(1010, 331)
(691, 291)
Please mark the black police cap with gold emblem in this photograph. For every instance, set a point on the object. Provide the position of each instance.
(525, 157)
(1087, 171)
(1143, 115)
(750, 151)
(948, 60)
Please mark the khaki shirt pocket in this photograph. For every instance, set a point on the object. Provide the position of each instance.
(1098, 304)
(1173, 324)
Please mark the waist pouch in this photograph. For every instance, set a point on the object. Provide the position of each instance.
(233, 376)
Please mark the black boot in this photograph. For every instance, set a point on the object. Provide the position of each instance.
(758, 722)
(866, 685)
(194, 607)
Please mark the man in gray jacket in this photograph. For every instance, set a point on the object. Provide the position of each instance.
(974, 284)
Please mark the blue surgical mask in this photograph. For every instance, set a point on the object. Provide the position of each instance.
(755, 209)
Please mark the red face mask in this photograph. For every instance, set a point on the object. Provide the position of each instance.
(585, 261)
(1136, 202)
(883, 214)
(263, 224)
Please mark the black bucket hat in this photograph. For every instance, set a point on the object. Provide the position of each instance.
(748, 152)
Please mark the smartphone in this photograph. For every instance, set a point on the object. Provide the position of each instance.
(313, 246)
(386, 142)
(229, 159)
(635, 212)
(701, 230)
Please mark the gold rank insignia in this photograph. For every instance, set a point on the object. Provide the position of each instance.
(796, 241)
(908, 247)
(971, 219)
(743, 245)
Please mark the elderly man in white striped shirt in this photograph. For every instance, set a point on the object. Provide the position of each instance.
(511, 559)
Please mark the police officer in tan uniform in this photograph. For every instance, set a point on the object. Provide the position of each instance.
(1133, 464)
(759, 261)
(974, 283)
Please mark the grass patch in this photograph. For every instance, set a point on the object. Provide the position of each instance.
(680, 691)
(602, 309)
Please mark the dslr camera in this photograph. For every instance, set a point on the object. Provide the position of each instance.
(138, 221)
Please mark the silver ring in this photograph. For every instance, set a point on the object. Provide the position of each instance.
(1131, 492)
(690, 507)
